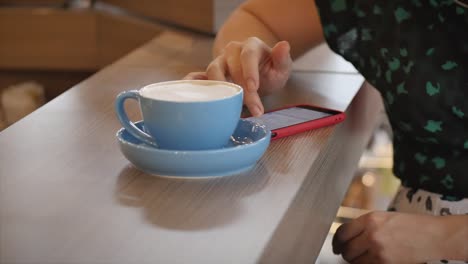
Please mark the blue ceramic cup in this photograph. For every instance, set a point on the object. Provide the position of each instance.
(184, 115)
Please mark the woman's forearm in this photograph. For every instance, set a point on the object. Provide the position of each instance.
(241, 25)
(296, 21)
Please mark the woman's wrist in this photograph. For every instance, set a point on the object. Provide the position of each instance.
(453, 242)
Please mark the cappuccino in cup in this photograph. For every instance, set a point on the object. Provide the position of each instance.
(185, 115)
(199, 91)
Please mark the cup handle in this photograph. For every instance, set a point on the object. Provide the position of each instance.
(126, 123)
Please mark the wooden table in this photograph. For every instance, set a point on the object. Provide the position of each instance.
(67, 195)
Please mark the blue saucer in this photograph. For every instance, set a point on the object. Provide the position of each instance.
(247, 145)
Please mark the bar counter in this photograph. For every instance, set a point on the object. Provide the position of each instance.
(67, 194)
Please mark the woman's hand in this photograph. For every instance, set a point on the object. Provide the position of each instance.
(253, 65)
(388, 237)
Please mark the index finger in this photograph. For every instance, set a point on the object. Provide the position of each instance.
(251, 55)
(253, 102)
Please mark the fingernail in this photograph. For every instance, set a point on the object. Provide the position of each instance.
(256, 111)
(251, 85)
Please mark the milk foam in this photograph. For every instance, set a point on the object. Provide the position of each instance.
(197, 91)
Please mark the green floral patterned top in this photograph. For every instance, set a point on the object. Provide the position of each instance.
(415, 52)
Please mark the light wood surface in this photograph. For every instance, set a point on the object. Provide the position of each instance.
(188, 13)
(67, 195)
(202, 15)
(33, 2)
(59, 39)
(117, 35)
(54, 82)
(47, 38)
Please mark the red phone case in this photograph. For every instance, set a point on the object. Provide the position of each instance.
(336, 118)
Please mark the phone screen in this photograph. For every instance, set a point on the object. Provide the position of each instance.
(289, 116)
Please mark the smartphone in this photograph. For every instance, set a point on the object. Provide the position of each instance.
(295, 119)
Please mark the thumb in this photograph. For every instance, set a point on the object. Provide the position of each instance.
(281, 57)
